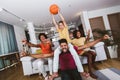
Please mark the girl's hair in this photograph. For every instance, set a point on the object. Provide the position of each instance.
(42, 34)
(75, 33)
(60, 22)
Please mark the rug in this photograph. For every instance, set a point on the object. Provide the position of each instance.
(108, 74)
(104, 74)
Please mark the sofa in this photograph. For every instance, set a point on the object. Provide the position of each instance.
(29, 64)
(100, 52)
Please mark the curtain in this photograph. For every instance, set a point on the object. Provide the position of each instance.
(7, 40)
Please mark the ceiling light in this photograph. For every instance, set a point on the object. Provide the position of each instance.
(21, 19)
(46, 32)
(1, 9)
(52, 29)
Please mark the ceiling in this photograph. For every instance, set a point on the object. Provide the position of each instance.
(37, 11)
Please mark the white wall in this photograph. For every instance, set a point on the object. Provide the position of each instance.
(104, 12)
(86, 15)
(20, 35)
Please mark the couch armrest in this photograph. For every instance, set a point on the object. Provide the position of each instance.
(99, 44)
(100, 51)
(27, 58)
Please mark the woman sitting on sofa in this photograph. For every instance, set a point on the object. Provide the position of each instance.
(46, 55)
(78, 41)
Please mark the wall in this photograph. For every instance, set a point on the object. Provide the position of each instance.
(20, 35)
(86, 15)
(104, 12)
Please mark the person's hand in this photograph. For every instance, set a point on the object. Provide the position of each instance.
(48, 41)
(51, 14)
(22, 54)
(54, 76)
(58, 10)
(85, 74)
(88, 32)
(24, 41)
(106, 37)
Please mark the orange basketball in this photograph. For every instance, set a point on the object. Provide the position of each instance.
(54, 9)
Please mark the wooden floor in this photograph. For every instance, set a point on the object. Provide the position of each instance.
(16, 73)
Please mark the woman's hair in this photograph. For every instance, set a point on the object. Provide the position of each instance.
(42, 34)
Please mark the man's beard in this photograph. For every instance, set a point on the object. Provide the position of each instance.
(64, 50)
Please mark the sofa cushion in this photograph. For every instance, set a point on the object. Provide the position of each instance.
(99, 44)
(35, 63)
(27, 58)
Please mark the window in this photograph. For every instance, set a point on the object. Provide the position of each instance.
(7, 39)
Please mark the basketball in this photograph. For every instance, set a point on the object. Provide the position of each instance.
(54, 9)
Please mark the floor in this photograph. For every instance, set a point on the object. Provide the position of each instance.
(16, 73)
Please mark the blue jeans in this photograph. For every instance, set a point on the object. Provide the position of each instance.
(70, 75)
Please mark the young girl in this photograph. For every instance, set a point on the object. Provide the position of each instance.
(78, 41)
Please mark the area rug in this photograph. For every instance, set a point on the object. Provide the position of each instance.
(108, 74)
(104, 74)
